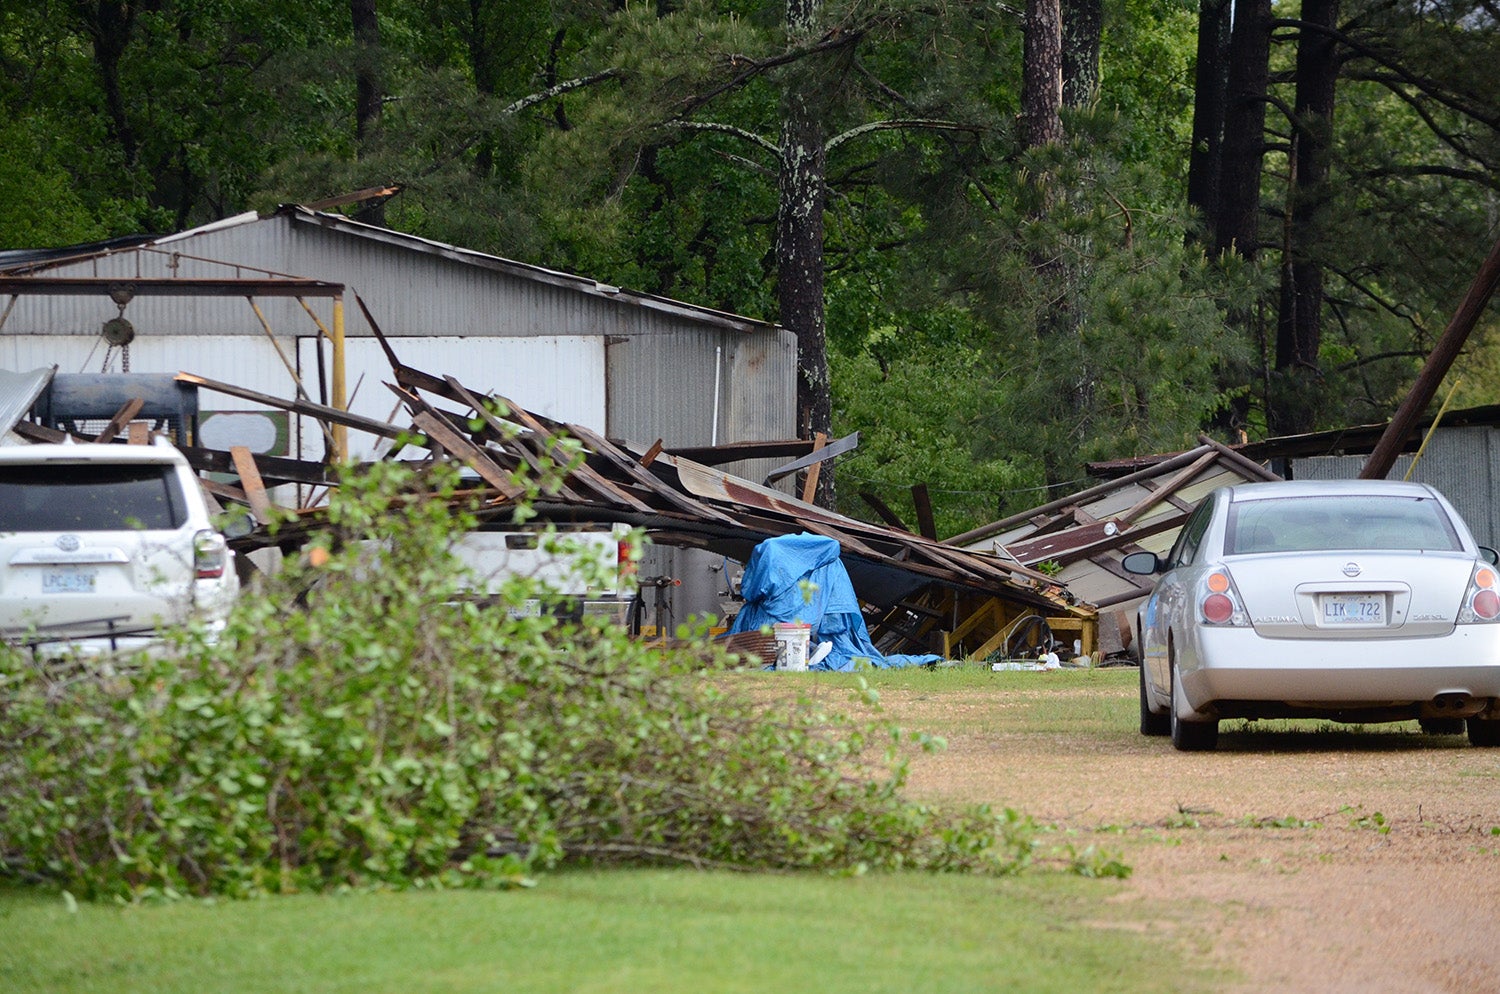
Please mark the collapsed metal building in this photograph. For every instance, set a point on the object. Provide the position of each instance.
(290, 324)
(277, 303)
(918, 594)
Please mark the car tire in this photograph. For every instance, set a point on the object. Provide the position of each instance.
(1441, 726)
(1190, 736)
(1151, 722)
(1484, 732)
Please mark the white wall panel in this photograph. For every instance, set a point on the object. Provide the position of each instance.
(245, 362)
(559, 377)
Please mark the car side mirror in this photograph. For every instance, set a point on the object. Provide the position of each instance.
(1142, 563)
(1489, 555)
(235, 523)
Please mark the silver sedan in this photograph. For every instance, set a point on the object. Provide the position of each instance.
(1355, 601)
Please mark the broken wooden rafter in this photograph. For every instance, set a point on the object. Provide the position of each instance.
(582, 473)
(883, 510)
(926, 524)
(810, 484)
(1167, 489)
(821, 451)
(123, 417)
(254, 487)
(321, 412)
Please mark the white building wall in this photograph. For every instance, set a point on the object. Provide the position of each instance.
(560, 378)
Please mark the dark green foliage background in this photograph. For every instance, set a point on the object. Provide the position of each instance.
(660, 175)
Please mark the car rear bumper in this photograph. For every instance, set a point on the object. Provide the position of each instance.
(1239, 665)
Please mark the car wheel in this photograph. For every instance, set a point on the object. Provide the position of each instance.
(1484, 731)
(1190, 736)
(1152, 723)
(1441, 726)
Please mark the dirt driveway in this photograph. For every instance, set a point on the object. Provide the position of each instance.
(1316, 861)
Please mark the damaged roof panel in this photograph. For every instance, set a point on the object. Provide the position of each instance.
(1081, 539)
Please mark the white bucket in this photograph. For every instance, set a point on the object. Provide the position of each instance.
(792, 640)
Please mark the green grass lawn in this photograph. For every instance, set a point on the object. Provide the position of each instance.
(621, 931)
(634, 930)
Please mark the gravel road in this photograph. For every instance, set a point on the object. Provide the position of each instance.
(1346, 861)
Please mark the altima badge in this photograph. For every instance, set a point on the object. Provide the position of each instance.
(1352, 569)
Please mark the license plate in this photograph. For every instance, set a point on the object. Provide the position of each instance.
(1353, 609)
(70, 580)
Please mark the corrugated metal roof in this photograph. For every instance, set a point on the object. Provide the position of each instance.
(18, 391)
(578, 284)
(33, 261)
(1085, 535)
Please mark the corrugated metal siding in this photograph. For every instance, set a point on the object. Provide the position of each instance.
(660, 380)
(1460, 462)
(662, 386)
(232, 315)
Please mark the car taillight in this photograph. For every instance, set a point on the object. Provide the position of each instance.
(210, 555)
(1218, 604)
(625, 557)
(1482, 600)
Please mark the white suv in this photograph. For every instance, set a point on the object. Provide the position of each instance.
(103, 545)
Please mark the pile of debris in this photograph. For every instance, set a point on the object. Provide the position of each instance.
(920, 595)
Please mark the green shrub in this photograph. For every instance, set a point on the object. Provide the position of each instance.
(361, 724)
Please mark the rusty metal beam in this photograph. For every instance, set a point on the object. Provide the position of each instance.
(171, 287)
(1431, 377)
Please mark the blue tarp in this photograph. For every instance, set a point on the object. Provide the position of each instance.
(800, 578)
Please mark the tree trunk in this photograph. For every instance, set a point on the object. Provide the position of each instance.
(1211, 77)
(109, 25)
(799, 243)
(1299, 330)
(1041, 74)
(367, 94)
(1237, 228)
(1082, 29)
(1041, 125)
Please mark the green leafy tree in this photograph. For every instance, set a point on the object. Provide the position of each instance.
(362, 723)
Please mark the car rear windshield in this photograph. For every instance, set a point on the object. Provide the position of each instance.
(83, 497)
(1312, 524)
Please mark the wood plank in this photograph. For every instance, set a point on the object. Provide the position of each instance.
(41, 433)
(139, 433)
(123, 417)
(476, 458)
(1176, 483)
(321, 412)
(821, 451)
(925, 523)
(276, 469)
(254, 487)
(810, 485)
(883, 510)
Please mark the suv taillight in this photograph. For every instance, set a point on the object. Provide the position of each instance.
(210, 555)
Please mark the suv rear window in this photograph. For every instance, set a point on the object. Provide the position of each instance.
(90, 497)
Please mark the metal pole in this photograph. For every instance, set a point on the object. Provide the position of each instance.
(1383, 457)
(340, 401)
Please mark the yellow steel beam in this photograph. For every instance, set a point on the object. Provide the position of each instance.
(340, 401)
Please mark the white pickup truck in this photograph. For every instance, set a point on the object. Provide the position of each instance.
(591, 567)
